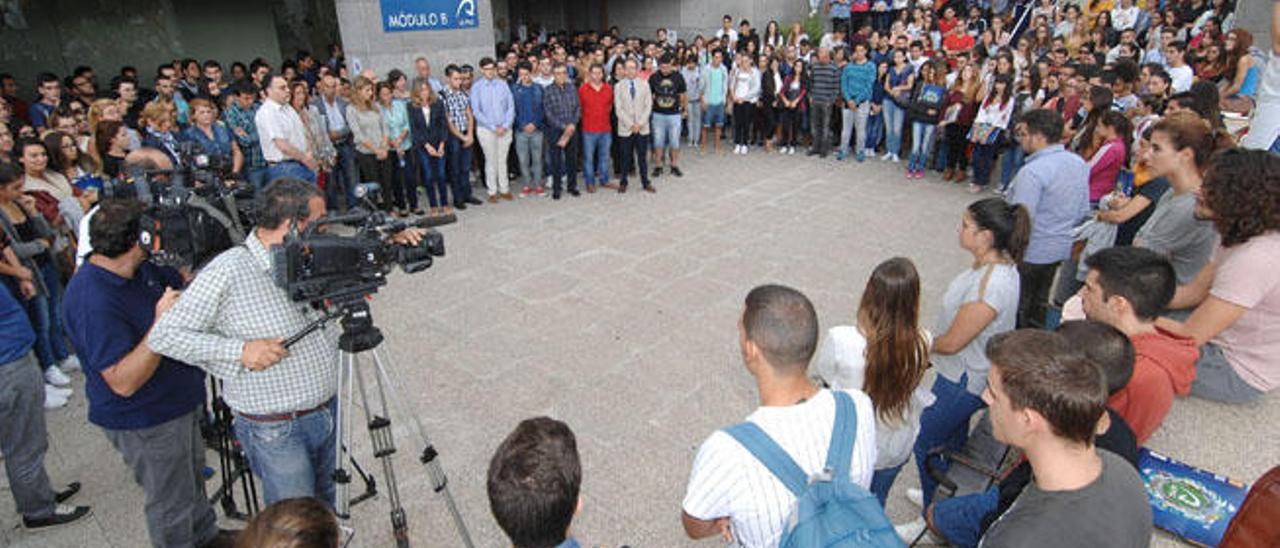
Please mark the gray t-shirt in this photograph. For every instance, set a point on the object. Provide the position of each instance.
(1112, 511)
(1174, 231)
(1001, 294)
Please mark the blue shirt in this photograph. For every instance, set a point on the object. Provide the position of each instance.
(840, 9)
(39, 113)
(16, 326)
(491, 104)
(106, 317)
(856, 81)
(220, 144)
(528, 101)
(1054, 185)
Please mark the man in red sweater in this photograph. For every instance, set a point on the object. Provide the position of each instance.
(596, 98)
(1128, 287)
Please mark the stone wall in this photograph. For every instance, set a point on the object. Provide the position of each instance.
(362, 36)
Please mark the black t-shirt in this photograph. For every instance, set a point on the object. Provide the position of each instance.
(1153, 190)
(666, 90)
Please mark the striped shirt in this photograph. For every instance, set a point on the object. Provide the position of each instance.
(824, 83)
(727, 481)
(235, 300)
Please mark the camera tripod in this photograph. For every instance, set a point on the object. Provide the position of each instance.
(360, 337)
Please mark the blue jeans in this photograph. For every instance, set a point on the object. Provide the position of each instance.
(875, 130)
(959, 519)
(257, 177)
(459, 160)
(694, 122)
(984, 159)
(290, 169)
(292, 458)
(433, 179)
(1012, 160)
(921, 144)
(45, 310)
(894, 117)
(945, 425)
(595, 157)
(882, 481)
(344, 177)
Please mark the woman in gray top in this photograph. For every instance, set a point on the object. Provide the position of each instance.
(370, 134)
(980, 302)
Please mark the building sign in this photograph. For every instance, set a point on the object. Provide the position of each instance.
(407, 15)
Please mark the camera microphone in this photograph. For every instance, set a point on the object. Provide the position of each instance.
(432, 222)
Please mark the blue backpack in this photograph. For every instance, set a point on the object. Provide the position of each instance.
(829, 510)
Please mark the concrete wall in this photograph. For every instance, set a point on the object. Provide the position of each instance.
(692, 17)
(1255, 16)
(61, 34)
(360, 22)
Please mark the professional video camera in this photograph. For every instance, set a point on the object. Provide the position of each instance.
(194, 211)
(317, 266)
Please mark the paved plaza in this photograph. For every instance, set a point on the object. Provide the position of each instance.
(618, 314)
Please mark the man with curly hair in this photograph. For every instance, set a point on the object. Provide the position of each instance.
(1237, 297)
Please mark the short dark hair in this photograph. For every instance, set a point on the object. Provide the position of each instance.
(1242, 189)
(524, 65)
(45, 77)
(244, 86)
(9, 173)
(1143, 277)
(1105, 346)
(285, 200)
(1043, 122)
(486, 61)
(1043, 372)
(533, 483)
(115, 227)
(783, 324)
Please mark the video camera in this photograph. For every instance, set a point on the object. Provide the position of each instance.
(316, 266)
(194, 212)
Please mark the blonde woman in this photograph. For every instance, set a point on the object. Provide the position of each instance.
(369, 132)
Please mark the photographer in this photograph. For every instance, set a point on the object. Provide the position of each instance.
(147, 405)
(232, 322)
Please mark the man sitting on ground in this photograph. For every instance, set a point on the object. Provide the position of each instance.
(1047, 399)
(732, 494)
(534, 481)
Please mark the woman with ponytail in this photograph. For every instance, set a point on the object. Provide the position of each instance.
(981, 301)
(885, 355)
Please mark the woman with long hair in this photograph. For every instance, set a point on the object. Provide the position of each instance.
(1115, 137)
(791, 102)
(897, 87)
(885, 354)
(1241, 75)
(302, 522)
(1079, 133)
(924, 112)
(404, 185)
(111, 142)
(321, 147)
(1211, 64)
(989, 129)
(65, 157)
(429, 130)
(980, 302)
(370, 134)
(772, 36)
(959, 111)
(766, 114)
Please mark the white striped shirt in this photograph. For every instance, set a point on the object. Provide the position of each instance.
(728, 481)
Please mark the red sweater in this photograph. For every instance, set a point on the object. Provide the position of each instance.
(596, 106)
(1165, 366)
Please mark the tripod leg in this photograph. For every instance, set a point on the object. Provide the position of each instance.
(342, 428)
(428, 458)
(383, 441)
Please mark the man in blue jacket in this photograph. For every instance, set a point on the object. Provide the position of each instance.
(530, 118)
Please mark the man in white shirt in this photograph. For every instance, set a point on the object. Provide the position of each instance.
(283, 137)
(1180, 73)
(730, 493)
(727, 35)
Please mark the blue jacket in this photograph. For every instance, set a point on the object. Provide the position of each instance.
(528, 105)
(856, 81)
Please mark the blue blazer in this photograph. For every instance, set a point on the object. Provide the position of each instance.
(425, 131)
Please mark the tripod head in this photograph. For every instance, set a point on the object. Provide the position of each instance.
(351, 309)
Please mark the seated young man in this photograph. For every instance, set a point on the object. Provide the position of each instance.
(1127, 288)
(533, 484)
(1237, 296)
(730, 493)
(1047, 399)
(962, 520)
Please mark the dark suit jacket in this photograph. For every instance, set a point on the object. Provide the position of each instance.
(425, 131)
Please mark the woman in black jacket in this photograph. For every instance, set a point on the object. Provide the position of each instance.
(766, 111)
(428, 131)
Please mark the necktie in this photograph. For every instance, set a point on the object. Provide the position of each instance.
(633, 89)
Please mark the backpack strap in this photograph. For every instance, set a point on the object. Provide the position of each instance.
(771, 455)
(843, 435)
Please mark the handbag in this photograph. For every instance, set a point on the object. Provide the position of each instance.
(985, 134)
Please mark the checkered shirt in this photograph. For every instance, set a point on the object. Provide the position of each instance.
(561, 105)
(456, 105)
(236, 118)
(234, 300)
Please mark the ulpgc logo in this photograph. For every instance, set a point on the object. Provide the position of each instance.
(466, 13)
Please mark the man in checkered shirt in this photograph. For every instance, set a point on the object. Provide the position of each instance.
(232, 321)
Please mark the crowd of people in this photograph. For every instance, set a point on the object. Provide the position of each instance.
(1127, 212)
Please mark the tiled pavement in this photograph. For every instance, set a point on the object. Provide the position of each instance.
(617, 313)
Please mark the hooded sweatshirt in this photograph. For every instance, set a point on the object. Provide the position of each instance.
(1165, 366)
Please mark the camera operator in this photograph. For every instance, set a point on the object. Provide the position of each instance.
(148, 406)
(148, 160)
(232, 322)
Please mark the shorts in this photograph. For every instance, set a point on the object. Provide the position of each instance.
(666, 131)
(713, 116)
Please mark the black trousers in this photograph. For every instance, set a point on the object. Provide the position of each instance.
(564, 161)
(957, 142)
(743, 114)
(1037, 280)
(633, 148)
(789, 119)
(373, 170)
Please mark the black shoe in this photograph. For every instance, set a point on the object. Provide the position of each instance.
(66, 494)
(812, 153)
(460, 206)
(574, 192)
(474, 201)
(62, 515)
(657, 172)
(676, 171)
(823, 156)
(555, 195)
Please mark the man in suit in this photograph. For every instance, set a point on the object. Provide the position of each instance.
(333, 107)
(633, 102)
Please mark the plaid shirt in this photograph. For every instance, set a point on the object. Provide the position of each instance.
(234, 300)
(561, 105)
(456, 106)
(237, 118)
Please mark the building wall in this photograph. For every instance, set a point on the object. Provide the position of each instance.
(692, 17)
(58, 35)
(1255, 17)
(364, 40)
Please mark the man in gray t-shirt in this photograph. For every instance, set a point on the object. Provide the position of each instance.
(1047, 399)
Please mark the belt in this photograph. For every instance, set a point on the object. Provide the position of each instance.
(284, 162)
(291, 415)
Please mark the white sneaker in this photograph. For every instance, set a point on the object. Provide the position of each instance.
(895, 159)
(60, 392)
(886, 156)
(56, 377)
(915, 496)
(908, 532)
(71, 364)
(53, 401)
(791, 151)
